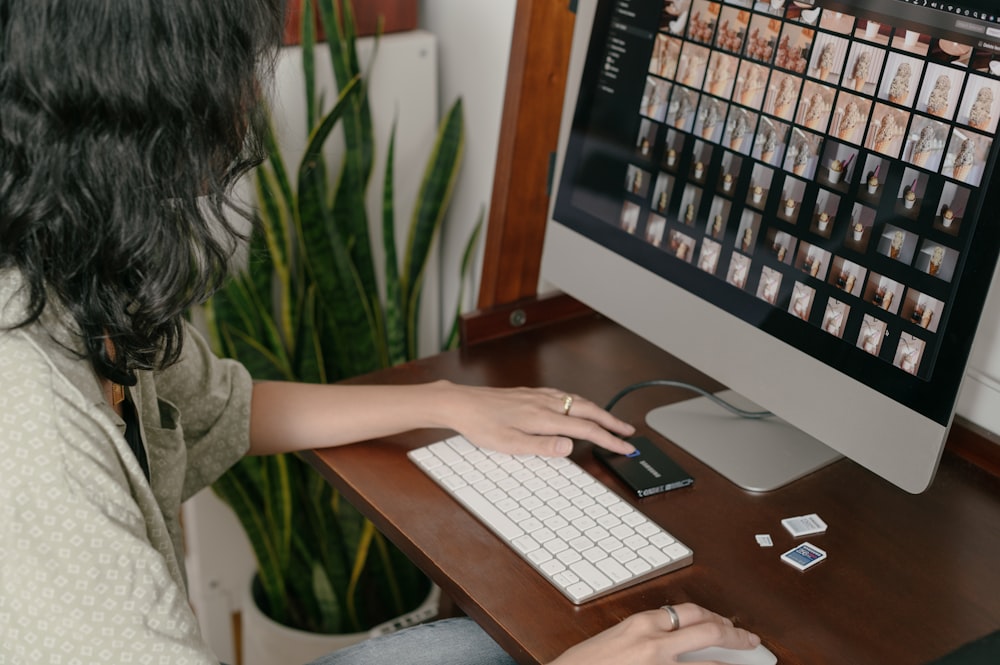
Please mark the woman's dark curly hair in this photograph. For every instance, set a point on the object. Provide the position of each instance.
(123, 126)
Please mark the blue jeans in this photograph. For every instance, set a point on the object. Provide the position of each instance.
(446, 642)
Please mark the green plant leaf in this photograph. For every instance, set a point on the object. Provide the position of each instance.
(432, 202)
(350, 213)
(395, 320)
(452, 340)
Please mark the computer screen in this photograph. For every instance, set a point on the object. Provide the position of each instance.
(797, 198)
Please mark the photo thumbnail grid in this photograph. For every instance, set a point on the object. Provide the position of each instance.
(821, 161)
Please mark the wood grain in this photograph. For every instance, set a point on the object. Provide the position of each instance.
(908, 579)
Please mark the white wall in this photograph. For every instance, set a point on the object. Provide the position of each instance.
(980, 398)
(474, 39)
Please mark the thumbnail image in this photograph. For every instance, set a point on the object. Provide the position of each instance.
(828, 58)
(674, 18)
(980, 106)
(824, 213)
(710, 120)
(655, 226)
(925, 143)
(746, 234)
(680, 112)
(836, 166)
(681, 245)
(802, 300)
(690, 203)
(951, 208)
(802, 13)
(860, 229)
(910, 195)
(897, 243)
(774, 7)
(708, 260)
(793, 197)
(673, 145)
(911, 41)
(693, 64)
(813, 260)
(986, 61)
(873, 177)
(939, 93)
(661, 192)
(965, 158)
(864, 64)
(721, 76)
(922, 309)
(835, 317)
(646, 137)
(793, 47)
(760, 186)
(873, 31)
(908, 353)
(701, 157)
(872, 334)
(654, 98)
(704, 18)
(733, 26)
(782, 95)
(764, 33)
(666, 55)
(769, 284)
(937, 260)
(729, 173)
(740, 130)
(801, 158)
(636, 180)
(816, 106)
(899, 83)
(837, 22)
(718, 214)
(739, 268)
(887, 129)
(850, 117)
(883, 292)
(847, 276)
(770, 142)
(782, 245)
(629, 218)
(950, 52)
(751, 83)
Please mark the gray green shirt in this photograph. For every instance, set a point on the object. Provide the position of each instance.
(91, 556)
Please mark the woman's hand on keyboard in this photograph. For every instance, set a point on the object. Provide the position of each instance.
(648, 638)
(532, 421)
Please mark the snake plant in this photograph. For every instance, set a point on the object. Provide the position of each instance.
(308, 308)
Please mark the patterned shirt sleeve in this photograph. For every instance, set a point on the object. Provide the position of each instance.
(87, 573)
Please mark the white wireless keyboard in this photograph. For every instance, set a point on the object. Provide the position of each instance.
(580, 535)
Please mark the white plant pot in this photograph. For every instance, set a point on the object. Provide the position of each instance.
(266, 642)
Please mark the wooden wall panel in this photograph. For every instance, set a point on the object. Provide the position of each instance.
(536, 78)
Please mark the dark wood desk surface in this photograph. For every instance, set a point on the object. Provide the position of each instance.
(908, 578)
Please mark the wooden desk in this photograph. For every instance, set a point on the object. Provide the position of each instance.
(908, 579)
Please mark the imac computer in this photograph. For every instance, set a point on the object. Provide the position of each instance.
(798, 198)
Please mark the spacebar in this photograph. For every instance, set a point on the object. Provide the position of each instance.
(488, 513)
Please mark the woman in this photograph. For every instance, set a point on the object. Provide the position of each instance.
(123, 126)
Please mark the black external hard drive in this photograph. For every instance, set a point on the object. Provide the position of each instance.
(648, 472)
